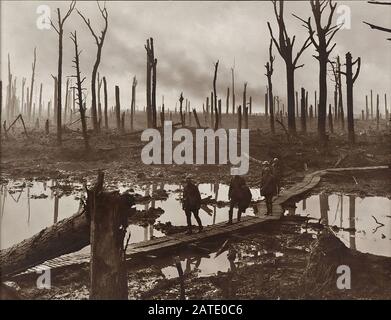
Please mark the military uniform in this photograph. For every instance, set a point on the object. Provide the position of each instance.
(192, 204)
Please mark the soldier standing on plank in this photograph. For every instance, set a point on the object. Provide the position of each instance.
(191, 203)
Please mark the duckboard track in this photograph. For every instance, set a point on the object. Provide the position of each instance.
(157, 246)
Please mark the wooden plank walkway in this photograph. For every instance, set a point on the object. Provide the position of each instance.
(181, 240)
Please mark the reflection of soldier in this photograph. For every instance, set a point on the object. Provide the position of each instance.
(268, 189)
(191, 203)
(239, 195)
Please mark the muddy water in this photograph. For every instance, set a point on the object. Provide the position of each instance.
(364, 224)
(27, 207)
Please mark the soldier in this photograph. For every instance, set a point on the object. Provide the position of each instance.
(268, 189)
(265, 164)
(276, 171)
(239, 195)
(191, 203)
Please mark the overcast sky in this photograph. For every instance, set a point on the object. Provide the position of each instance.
(189, 37)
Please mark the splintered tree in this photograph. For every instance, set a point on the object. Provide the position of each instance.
(336, 67)
(133, 103)
(105, 102)
(32, 85)
(151, 84)
(350, 79)
(79, 91)
(325, 33)
(376, 27)
(284, 46)
(269, 73)
(60, 31)
(215, 96)
(99, 40)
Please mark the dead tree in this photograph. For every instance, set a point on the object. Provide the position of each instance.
(133, 104)
(325, 34)
(99, 40)
(227, 102)
(215, 96)
(377, 112)
(269, 73)
(336, 68)
(350, 79)
(105, 102)
(233, 89)
(109, 221)
(79, 91)
(239, 119)
(1, 106)
(117, 108)
(284, 46)
(99, 102)
(180, 110)
(330, 120)
(22, 103)
(40, 101)
(245, 109)
(60, 31)
(9, 92)
(303, 112)
(376, 27)
(32, 85)
(151, 84)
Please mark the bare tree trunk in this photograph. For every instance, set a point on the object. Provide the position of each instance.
(330, 120)
(108, 229)
(227, 101)
(350, 79)
(32, 85)
(99, 42)
(79, 93)
(105, 102)
(117, 108)
(215, 96)
(133, 104)
(303, 112)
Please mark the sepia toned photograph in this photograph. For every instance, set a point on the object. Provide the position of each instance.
(207, 151)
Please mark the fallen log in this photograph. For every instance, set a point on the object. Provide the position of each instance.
(66, 236)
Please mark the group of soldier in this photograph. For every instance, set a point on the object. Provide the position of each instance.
(239, 193)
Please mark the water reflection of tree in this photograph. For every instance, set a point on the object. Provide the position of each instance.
(352, 221)
(324, 207)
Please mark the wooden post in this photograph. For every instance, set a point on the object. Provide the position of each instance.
(117, 108)
(108, 229)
